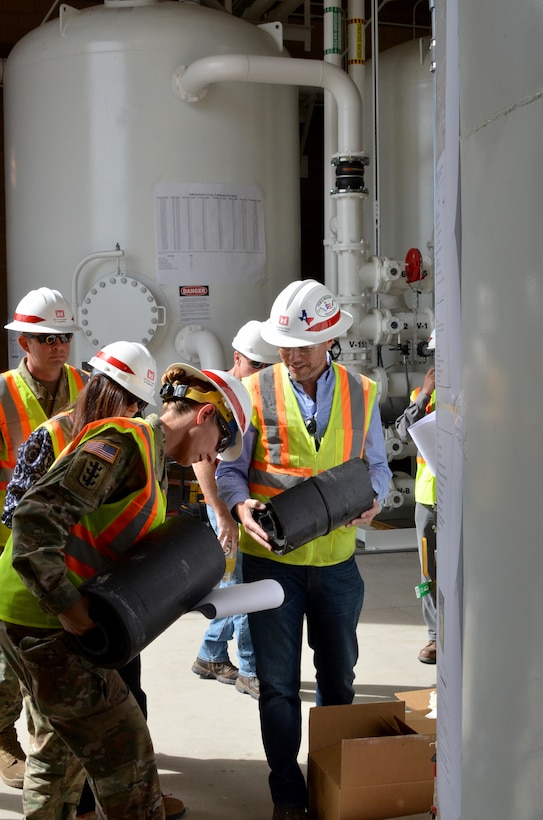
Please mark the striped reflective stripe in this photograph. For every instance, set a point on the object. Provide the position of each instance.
(100, 537)
(59, 428)
(21, 413)
(278, 418)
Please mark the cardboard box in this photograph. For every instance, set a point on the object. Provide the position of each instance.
(366, 763)
(420, 706)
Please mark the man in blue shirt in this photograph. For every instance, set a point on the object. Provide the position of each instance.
(310, 414)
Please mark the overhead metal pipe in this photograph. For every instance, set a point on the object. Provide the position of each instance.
(191, 83)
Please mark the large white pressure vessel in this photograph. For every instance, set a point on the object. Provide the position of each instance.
(100, 150)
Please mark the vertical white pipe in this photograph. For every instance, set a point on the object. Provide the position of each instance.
(375, 105)
(333, 53)
(356, 51)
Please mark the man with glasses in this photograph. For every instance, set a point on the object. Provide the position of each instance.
(41, 386)
(251, 354)
(309, 415)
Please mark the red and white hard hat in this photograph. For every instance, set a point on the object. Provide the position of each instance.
(43, 311)
(305, 313)
(228, 395)
(130, 365)
(250, 343)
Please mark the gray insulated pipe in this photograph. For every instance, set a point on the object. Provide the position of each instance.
(316, 506)
(161, 578)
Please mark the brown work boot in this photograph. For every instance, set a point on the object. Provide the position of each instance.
(12, 759)
(223, 671)
(173, 808)
(248, 685)
(428, 653)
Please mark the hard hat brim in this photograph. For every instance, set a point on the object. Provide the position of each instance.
(29, 327)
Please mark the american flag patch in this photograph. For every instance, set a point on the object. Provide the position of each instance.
(102, 449)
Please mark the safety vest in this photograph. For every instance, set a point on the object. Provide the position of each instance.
(20, 414)
(100, 537)
(285, 453)
(425, 480)
(59, 428)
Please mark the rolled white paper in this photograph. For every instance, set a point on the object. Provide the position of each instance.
(423, 433)
(238, 599)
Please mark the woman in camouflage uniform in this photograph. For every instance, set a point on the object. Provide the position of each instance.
(104, 493)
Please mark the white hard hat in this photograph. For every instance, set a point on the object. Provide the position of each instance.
(130, 365)
(228, 395)
(250, 343)
(305, 313)
(43, 311)
(431, 343)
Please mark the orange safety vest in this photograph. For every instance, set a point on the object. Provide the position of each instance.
(21, 413)
(99, 537)
(59, 428)
(285, 453)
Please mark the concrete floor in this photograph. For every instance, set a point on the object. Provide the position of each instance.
(207, 735)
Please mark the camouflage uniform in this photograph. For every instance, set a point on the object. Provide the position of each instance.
(74, 705)
(10, 695)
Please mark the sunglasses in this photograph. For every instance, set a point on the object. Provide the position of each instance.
(226, 435)
(256, 365)
(132, 399)
(50, 338)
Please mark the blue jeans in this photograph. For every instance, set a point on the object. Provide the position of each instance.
(214, 647)
(331, 599)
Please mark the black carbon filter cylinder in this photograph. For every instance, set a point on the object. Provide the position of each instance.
(317, 506)
(159, 579)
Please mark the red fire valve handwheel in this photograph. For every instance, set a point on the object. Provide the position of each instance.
(413, 265)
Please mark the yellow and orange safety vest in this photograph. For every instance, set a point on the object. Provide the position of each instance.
(99, 537)
(285, 453)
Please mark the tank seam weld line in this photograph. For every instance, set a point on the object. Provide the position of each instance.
(504, 112)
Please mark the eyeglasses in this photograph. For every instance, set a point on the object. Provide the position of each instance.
(132, 399)
(50, 338)
(226, 436)
(258, 365)
(255, 365)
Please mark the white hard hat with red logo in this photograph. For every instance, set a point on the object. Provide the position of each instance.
(43, 311)
(228, 395)
(130, 365)
(305, 313)
(250, 344)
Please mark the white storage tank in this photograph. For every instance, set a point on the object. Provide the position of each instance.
(405, 149)
(202, 199)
